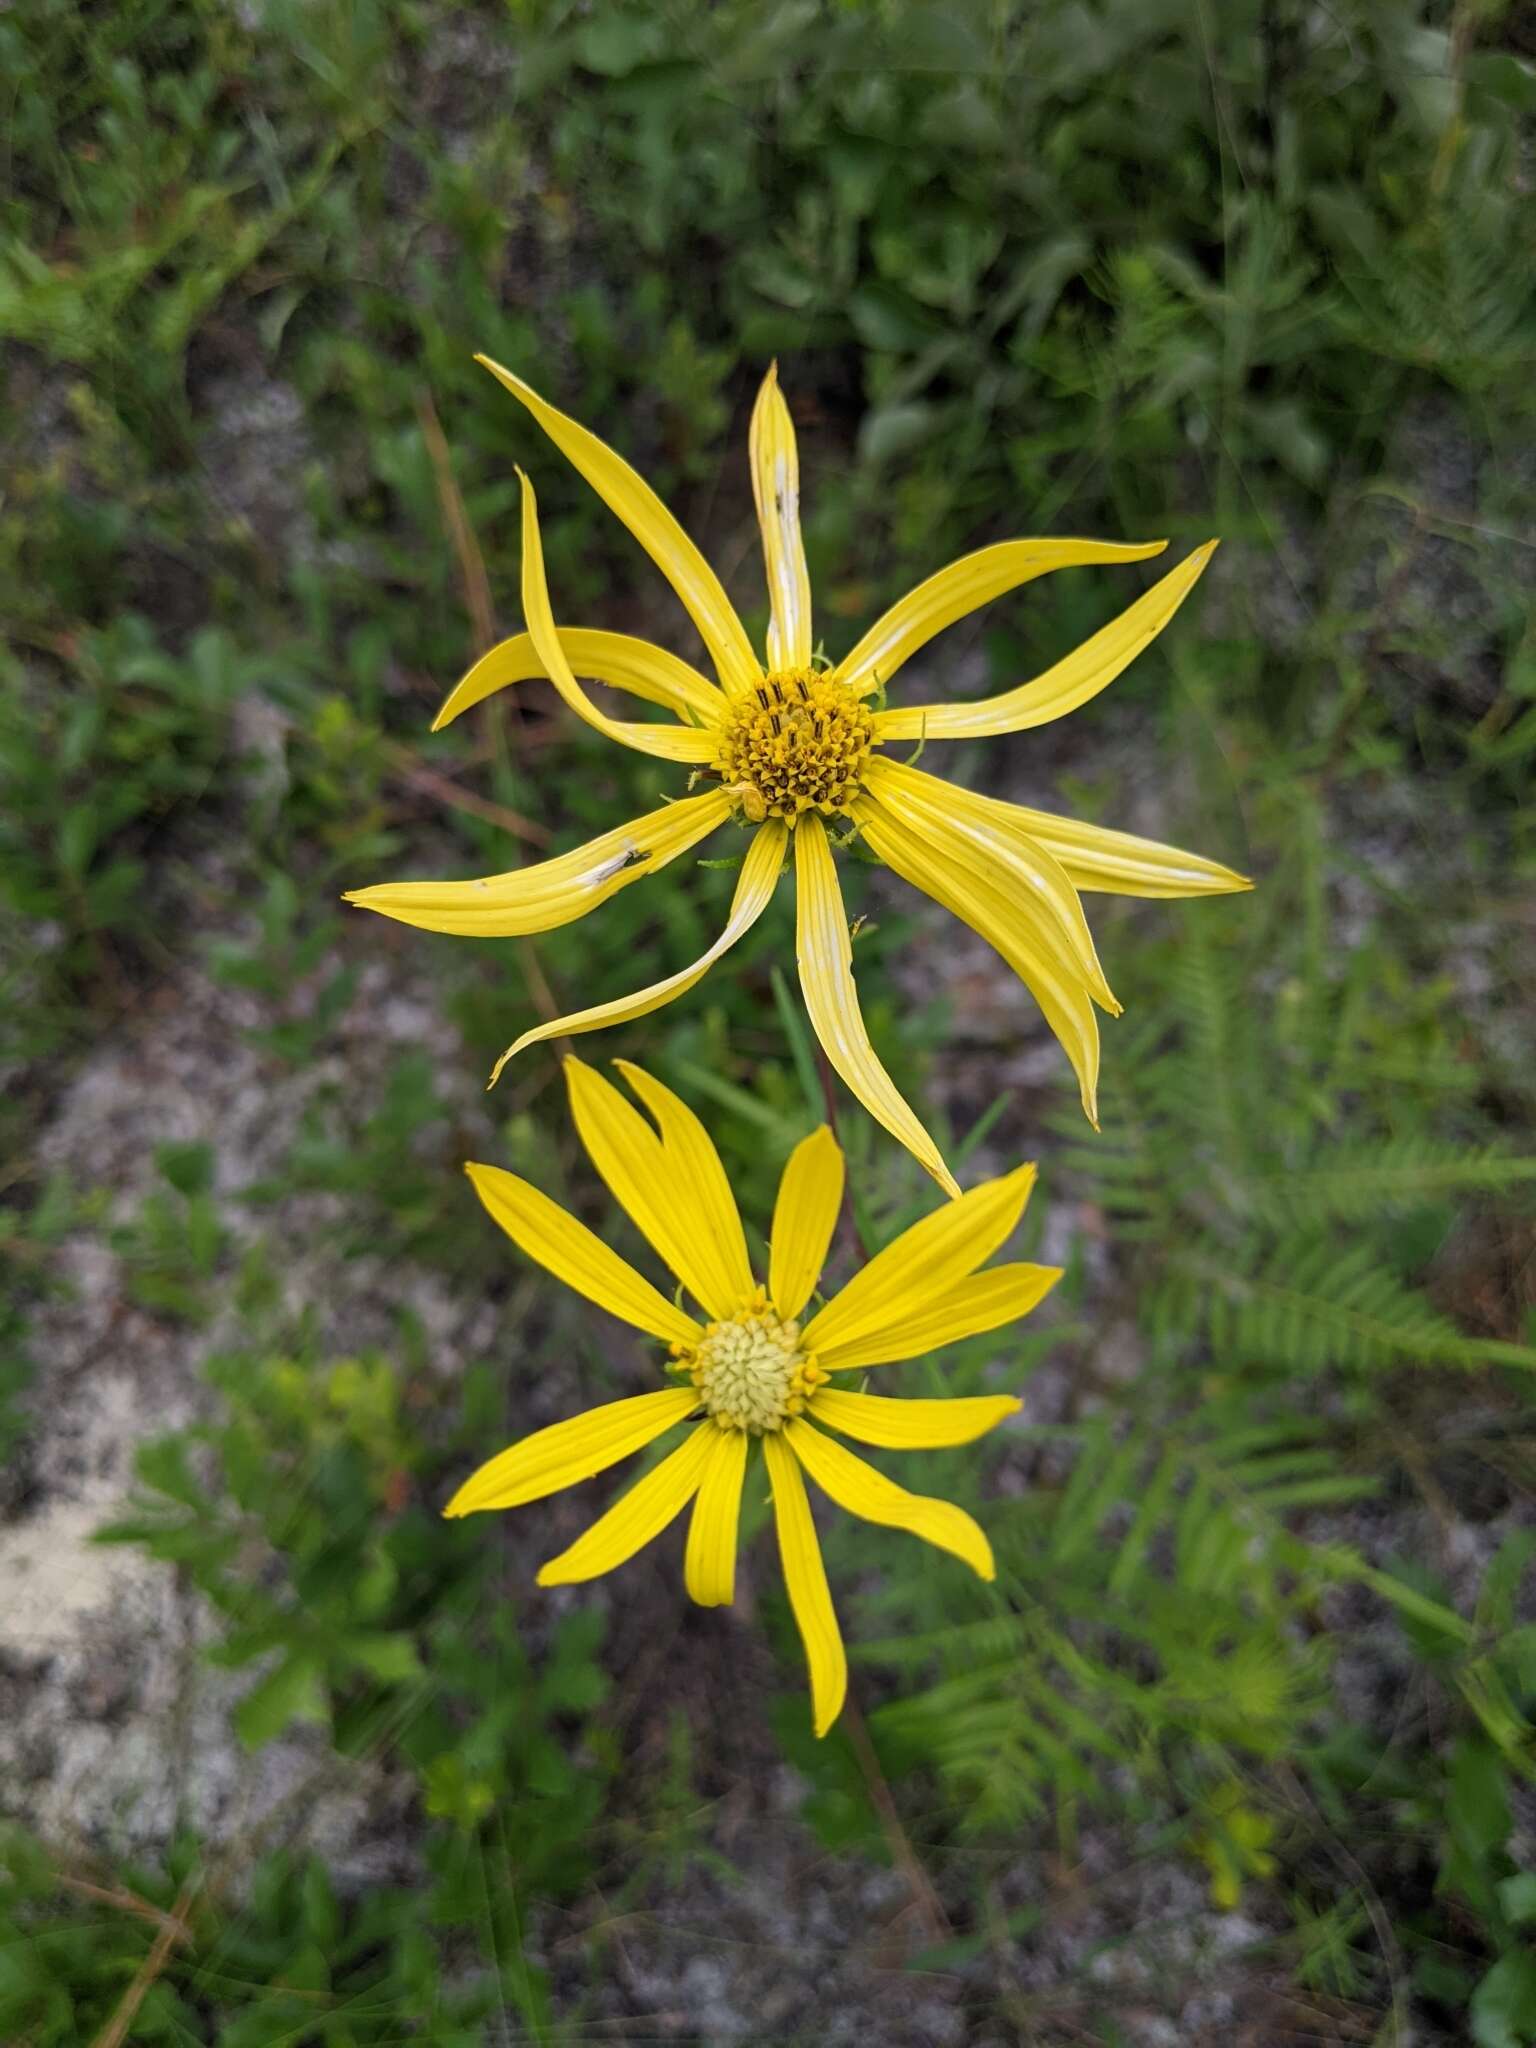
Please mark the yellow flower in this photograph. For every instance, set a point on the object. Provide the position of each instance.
(754, 1367)
(785, 744)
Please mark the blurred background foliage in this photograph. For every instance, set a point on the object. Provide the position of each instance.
(1122, 266)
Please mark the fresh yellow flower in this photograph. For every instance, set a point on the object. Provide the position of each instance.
(785, 744)
(755, 1368)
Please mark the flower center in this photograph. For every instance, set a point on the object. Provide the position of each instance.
(797, 743)
(750, 1371)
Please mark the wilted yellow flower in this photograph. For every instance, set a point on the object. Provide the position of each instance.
(786, 743)
(755, 1368)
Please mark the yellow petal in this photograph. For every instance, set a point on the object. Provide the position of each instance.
(635, 1517)
(1094, 857)
(754, 892)
(703, 1192)
(1051, 974)
(825, 959)
(776, 487)
(912, 1425)
(1063, 688)
(983, 1302)
(668, 742)
(953, 592)
(674, 554)
(617, 659)
(804, 1218)
(863, 1491)
(925, 1263)
(628, 1154)
(805, 1580)
(709, 1567)
(552, 892)
(988, 843)
(568, 1452)
(544, 1231)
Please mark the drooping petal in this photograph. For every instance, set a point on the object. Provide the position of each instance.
(631, 1159)
(617, 659)
(628, 495)
(694, 1169)
(925, 1263)
(754, 892)
(912, 1425)
(1091, 668)
(667, 742)
(568, 1452)
(546, 1233)
(825, 958)
(635, 1517)
(805, 1579)
(1052, 976)
(863, 1491)
(988, 843)
(983, 1302)
(804, 1218)
(974, 580)
(551, 892)
(709, 1566)
(1094, 857)
(776, 487)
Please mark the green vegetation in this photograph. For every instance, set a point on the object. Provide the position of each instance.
(1264, 1611)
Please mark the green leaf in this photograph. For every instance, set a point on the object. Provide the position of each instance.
(1503, 2008)
(294, 1691)
(188, 1167)
(392, 1658)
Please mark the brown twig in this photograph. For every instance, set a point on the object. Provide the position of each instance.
(905, 1856)
(128, 1902)
(924, 1897)
(433, 783)
(849, 1221)
(472, 577)
(173, 1930)
(477, 602)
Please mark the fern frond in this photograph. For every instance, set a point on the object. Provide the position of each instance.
(1402, 1173)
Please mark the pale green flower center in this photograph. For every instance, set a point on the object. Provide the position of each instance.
(798, 742)
(750, 1370)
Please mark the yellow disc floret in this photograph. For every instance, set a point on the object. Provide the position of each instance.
(798, 742)
(749, 1369)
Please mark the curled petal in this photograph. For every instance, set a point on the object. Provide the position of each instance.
(825, 958)
(568, 1452)
(628, 495)
(982, 836)
(776, 488)
(1091, 668)
(551, 892)
(754, 892)
(617, 659)
(1094, 857)
(637, 1516)
(974, 580)
(1048, 970)
(667, 742)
